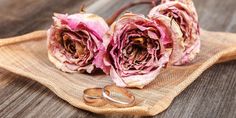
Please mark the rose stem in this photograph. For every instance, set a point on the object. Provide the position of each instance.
(82, 7)
(129, 5)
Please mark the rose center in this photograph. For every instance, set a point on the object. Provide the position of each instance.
(74, 47)
(137, 51)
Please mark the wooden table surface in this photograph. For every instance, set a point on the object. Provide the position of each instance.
(212, 95)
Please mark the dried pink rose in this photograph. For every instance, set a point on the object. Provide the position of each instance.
(74, 40)
(185, 15)
(135, 53)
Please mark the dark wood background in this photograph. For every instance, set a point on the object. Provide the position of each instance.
(212, 95)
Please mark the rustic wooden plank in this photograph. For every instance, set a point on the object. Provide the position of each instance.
(211, 95)
(20, 17)
(217, 15)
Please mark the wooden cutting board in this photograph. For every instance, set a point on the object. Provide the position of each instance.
(27, 56)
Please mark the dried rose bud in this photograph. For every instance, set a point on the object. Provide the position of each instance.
(135, 53)
(74, 40)
(184, 14)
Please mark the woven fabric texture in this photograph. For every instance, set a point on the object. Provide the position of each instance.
(27, 56)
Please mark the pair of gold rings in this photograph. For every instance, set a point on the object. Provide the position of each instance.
(110, 94)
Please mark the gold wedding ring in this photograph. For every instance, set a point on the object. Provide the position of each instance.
(112, 94)
(118, 96)
(93, 97)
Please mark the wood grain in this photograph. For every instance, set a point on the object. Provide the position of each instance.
(211, 95)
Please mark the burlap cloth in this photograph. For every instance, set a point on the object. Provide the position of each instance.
(27, 56)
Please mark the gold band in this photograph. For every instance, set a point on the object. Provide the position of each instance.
(93, 97)
(130, 99)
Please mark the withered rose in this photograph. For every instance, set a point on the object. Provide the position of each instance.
(74, 40)
(184, 14)
(135, 50)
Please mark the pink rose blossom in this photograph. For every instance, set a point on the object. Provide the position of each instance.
(74, 40)
(184, 14)
(133, 52)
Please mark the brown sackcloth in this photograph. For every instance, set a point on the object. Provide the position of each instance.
(27, 56)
